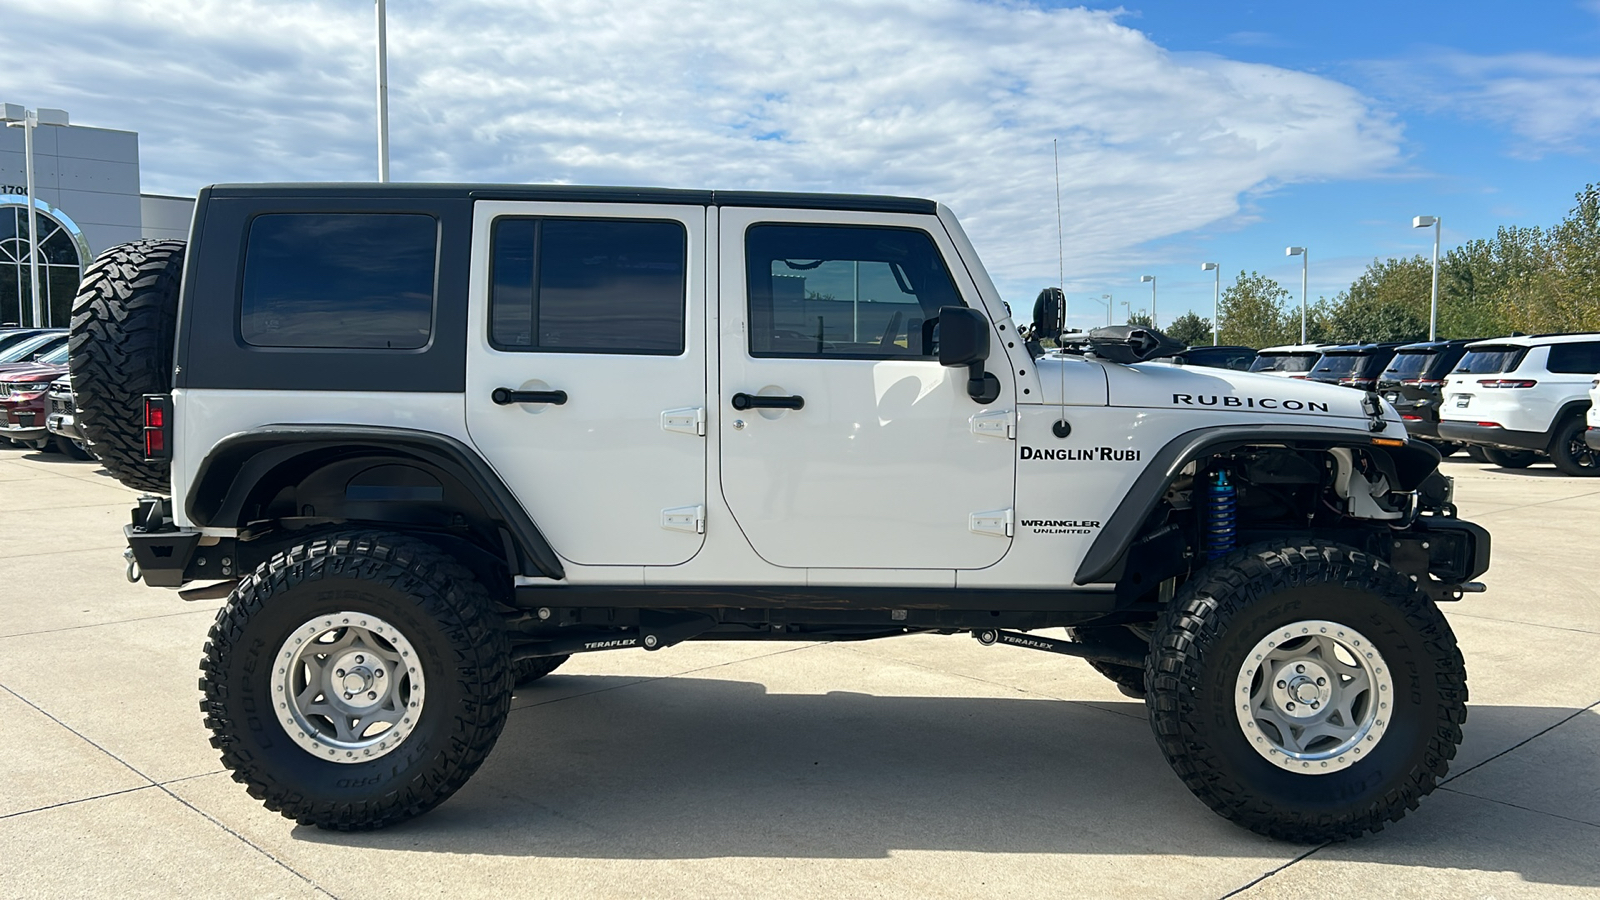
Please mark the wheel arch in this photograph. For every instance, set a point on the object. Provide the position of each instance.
(1411, 463)
(371, 474)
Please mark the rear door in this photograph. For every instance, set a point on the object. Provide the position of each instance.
(882, 460)
(586, 372)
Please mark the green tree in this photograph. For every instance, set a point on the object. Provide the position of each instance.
(1142, 319)
(1190, 328)
(1251, 313)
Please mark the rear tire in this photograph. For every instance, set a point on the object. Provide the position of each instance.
(1321, 650)
(1511, 459)
(1570, 454)
(525, 671)
(1129, 680)
(1478, 453)
(293, 708)
(124, 323)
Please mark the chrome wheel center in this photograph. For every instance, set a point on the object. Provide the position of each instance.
(1313, 696)
(348, 687)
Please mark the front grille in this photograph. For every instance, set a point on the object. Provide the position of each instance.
(60, 404)
(5, 389)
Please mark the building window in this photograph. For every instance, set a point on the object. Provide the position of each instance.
(61, 256)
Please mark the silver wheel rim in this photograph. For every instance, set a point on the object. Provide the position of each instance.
(1313, 697)
(348, 687)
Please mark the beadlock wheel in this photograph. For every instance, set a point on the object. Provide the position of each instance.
(1313, 696)
(350, 687)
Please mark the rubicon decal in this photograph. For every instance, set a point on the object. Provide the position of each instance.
(1084, 454)
(1060, 526)
(1232, 402)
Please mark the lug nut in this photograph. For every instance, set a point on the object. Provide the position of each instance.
(1291, 705)
(1315, 705)
(1283, 684)
(353, 696)
(1300, 669)
(1322, 682)
(378, 674)
(373, 695)
(362, 659)
(339, 672)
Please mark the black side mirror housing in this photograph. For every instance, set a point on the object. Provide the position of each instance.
(1049, 312)
(964, 341)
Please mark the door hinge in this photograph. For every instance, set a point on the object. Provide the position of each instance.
(999, 423)
(997, 522)
(690, 420)
(691, 519)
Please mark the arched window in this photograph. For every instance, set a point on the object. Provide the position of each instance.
(62, 254)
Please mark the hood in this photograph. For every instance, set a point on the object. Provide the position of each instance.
(31, 372)
(1161, 385)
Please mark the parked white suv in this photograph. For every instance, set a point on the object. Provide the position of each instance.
(1520, 397)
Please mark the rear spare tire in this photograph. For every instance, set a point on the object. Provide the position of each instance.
(124, 323)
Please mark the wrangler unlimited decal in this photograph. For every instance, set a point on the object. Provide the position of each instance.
(1060, 526)
(1247, 402)
(1107, 454)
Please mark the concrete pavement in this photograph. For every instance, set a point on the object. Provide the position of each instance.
(915, 767)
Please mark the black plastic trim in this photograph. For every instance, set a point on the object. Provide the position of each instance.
(1467, 433)
(815, 598)
(239, 461)
(569, 193)
(1413, 462)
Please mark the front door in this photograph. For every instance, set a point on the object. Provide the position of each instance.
(586, 373)
(882, 465)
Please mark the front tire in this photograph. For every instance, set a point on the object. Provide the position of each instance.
(1569, 452)
(1307, 692)
(356, 680)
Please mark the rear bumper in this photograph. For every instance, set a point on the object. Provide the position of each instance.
(167, 555)
(1420, 428)
(1486, 436)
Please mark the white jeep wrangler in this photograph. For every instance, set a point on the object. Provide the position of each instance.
(430, 440)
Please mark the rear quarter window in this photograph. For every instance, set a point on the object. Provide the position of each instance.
(357, 281)
(1576, 359)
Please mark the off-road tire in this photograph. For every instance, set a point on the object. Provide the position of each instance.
(526, 671)
(1200, 644)
(1568, 451)
(1129, 680)
(1511, 459)
(124, 323)
(437, 604)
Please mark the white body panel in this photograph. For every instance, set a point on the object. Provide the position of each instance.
(597, 472)
(1531, 409)
(882, 468)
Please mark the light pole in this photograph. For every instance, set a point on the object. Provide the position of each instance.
(1305, 259)
(1216, 299)
(27, 120)
(1152, 280)
(383, 96)
(1433, 306)
(1107, 298)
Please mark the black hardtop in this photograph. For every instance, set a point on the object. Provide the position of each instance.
(569, 193)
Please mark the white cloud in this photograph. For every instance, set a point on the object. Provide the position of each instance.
(1551, 103)
(956, 100)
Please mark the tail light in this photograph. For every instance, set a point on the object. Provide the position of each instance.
(1430, 382)
(1506, 383)
(1488, 424)
(1411, 418)
(157, 427)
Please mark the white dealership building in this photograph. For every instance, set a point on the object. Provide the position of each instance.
(87, 197)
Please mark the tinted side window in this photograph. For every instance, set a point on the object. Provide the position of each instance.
(589, 286)
(347, 280)
(843, 291)
(1577, 359)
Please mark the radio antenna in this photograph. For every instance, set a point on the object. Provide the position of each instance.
(1061, 251)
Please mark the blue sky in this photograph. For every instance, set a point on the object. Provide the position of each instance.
(1189, 131)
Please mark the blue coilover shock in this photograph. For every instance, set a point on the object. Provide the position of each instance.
(1221, 516)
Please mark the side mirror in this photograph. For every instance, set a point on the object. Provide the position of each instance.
(964, 341)
(1049, 312)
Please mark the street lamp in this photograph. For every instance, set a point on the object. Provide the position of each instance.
(383, 96)
(1108, 301)
(1152, 280)
(1216, 299)
(1305, 260)
(28, 119)
(1433, 307)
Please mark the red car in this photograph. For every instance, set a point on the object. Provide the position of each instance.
(24, 399)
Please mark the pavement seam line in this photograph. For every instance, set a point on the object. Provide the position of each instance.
(1542, 812)
(1494, 512)
(187, 612)
(49, 806)
(1268, 874)
(1520, 744)
(165, 790)
(1483, 618)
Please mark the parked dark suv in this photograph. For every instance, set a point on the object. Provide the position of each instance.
(1225, 357)
(1414, 383)
(1354, 365)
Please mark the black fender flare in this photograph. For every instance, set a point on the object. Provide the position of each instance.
(1412, 462)
(240, 462)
